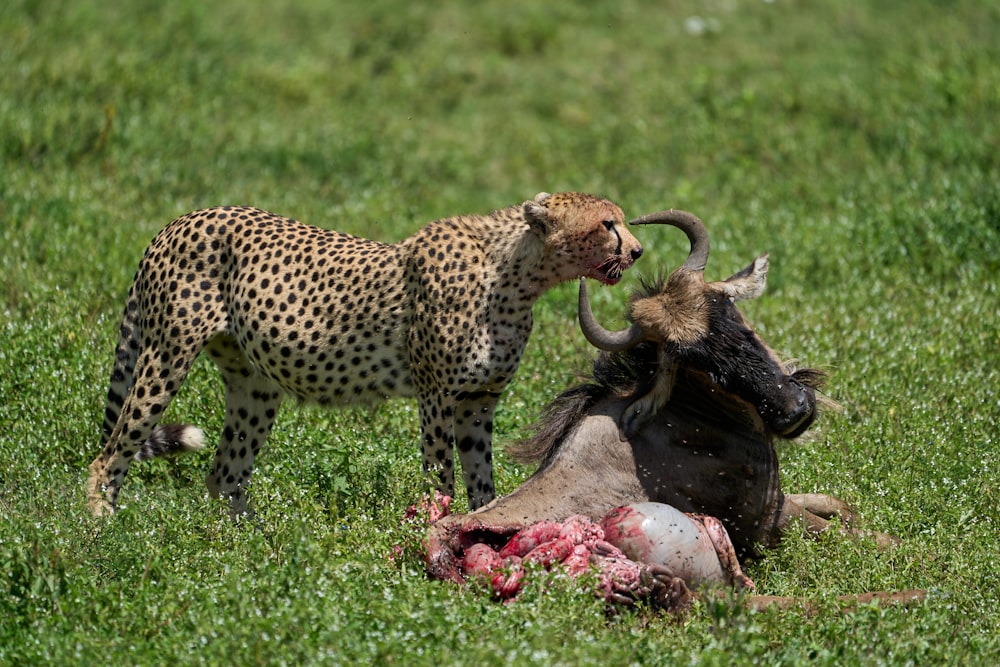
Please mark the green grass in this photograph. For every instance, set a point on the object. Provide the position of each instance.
(857, 142)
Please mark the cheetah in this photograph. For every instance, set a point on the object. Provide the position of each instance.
(286, 309)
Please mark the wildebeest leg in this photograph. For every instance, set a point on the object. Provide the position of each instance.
(849, 602)
(824, 505)
(819, 507)
(817, 511)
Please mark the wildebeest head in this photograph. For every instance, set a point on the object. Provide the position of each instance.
(696, 325)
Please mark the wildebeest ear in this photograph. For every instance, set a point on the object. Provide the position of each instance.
(536, 213)
(748, 283)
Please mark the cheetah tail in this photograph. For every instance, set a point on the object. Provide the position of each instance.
(171, 439)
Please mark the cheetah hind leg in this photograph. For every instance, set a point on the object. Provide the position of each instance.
(252, 402)
(135, 435)
(474, 434)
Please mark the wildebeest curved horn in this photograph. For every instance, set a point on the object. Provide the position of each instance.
(691, 225)
(598, 336)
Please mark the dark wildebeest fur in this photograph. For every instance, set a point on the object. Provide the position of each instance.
(705, 451)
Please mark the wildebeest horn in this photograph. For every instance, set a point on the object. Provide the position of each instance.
(691, 225)
(598, 336)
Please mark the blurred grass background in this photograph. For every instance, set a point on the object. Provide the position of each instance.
(857, 142)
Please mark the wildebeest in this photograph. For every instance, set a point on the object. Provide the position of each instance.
(683, 408)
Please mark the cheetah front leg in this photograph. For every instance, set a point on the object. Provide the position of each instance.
(437, 429)
(474, 434)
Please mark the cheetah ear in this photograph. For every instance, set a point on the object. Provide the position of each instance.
(536, 214)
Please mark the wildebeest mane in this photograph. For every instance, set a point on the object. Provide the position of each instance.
(627, 373)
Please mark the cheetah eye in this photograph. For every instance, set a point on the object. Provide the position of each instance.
(609, 225)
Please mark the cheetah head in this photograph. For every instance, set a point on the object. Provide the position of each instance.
(585, 236)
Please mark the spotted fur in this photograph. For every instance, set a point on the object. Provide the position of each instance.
(283, 309)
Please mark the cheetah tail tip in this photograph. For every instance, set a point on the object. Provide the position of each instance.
(170, 439)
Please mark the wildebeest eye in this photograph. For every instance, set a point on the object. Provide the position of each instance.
(609, 224)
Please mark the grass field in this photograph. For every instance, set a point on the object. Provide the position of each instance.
(858, 142)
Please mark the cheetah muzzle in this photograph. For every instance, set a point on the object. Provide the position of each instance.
(283, 309)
